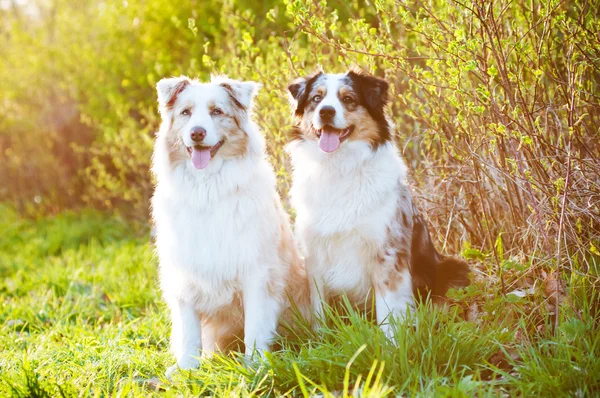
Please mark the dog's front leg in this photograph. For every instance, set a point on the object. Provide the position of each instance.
(317, 300)
(393, 298)
(317, 290)
(261, 313)
(186, 336)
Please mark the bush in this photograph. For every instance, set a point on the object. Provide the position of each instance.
(496, 104)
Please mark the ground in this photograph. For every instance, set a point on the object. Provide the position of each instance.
(81, 314)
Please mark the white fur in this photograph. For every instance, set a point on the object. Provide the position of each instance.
(217, 235)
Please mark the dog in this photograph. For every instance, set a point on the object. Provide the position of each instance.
(228, 264)
(356, 220)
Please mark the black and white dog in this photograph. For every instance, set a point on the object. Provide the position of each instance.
(356, 221)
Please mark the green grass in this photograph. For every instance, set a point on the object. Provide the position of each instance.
(81, 314)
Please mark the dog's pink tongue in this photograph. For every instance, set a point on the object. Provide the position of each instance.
(329, 141)
(201, 157)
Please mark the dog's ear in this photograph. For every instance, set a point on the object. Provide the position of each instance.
(241, 93)
(374, 90)
(297, 88)
(169, 88)
(300, 88)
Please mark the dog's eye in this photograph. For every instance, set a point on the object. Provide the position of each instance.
(216, 112)
(186, 112)
(348, 99)
(317, 98)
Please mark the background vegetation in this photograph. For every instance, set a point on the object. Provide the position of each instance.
(497, 109)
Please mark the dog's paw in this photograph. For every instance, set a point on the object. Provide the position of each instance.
(170, 371)
(388, 331)
(254, 358)
(186, 364)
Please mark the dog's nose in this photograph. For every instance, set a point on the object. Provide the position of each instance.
(327, 112)
(198, 134)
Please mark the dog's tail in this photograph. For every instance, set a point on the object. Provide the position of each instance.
(432, 273)
(451, 272)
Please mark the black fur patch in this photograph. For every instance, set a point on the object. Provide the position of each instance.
(301, 90)
(373, 90)
(433, 273)
(424, 257)
(373, 93)
(296, 133)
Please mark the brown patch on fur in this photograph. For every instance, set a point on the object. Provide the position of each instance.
(363, 304)
(176, 91)
(397, 249)
(175, 146)
(347, 91)
(223, 331)
(296, 133)
(236, 139)
(296, 285)
(393, 280)
(366, 128)
(396, 260)
(306, 129)
(404, 220)
(232, 95)
(402, 261)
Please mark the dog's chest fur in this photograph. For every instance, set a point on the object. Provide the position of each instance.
(212, 230)
(346, 203)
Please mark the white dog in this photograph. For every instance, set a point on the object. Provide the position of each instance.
(228, 263)
(356, 221)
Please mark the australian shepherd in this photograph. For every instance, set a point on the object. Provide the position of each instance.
(356, 220)
(228, 263)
